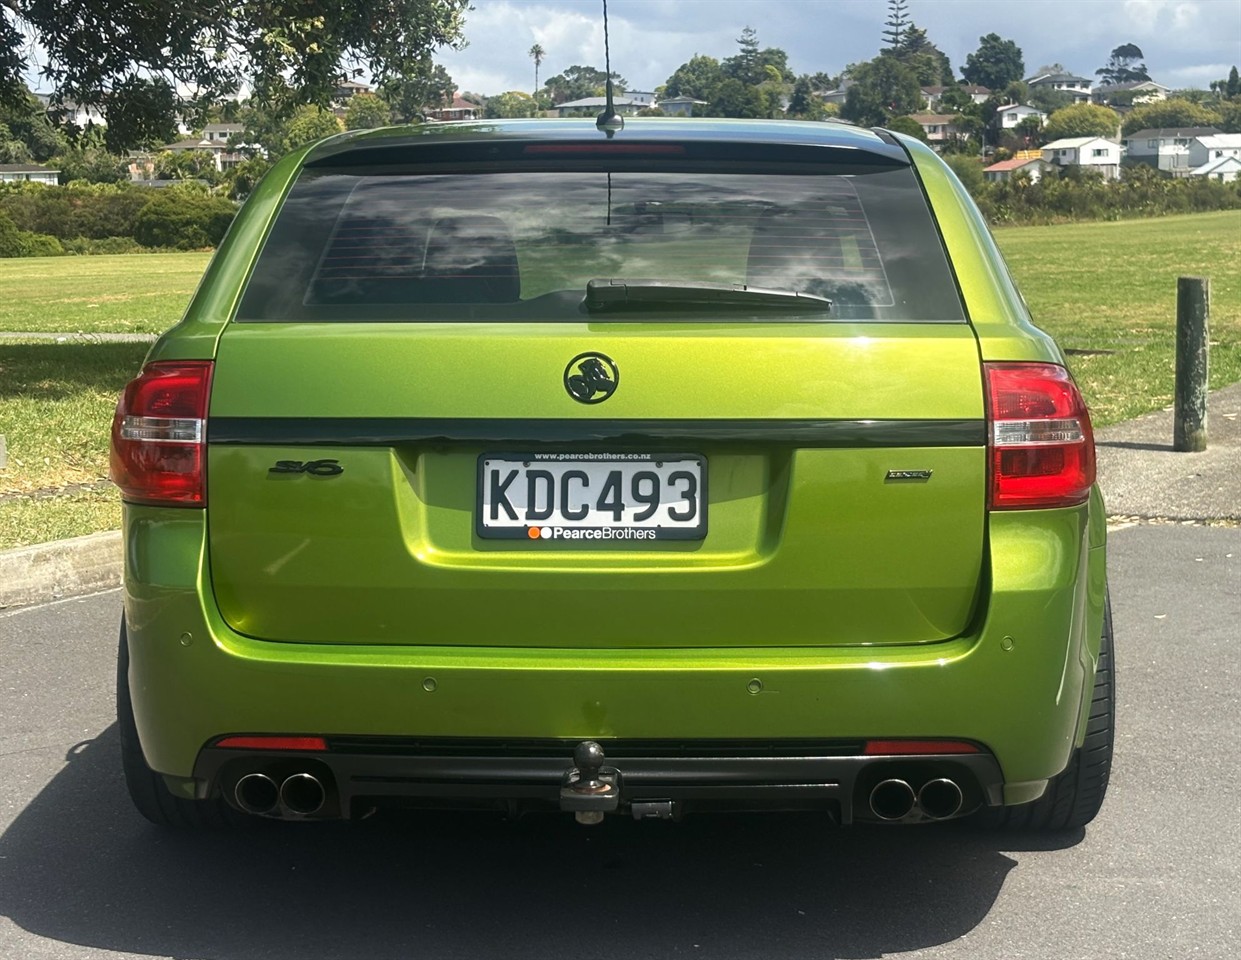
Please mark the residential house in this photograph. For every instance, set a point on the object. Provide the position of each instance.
(1011, 114)
(222, 132)
(1203, 150)
(346, 90)
(1144, 91)
(933, 94)
(1032, 167)
(593, 106)
(1224, 168)
(79, 114)
(29, 173)
(1165, 148)
(938, 127)
(224, 157)
(680, 106)
(1076, 87)
(458, 109)
(643, 98)
(1094, 153)
(840, 94)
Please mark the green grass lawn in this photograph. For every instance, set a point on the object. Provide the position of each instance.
(126, 293)
(1094, 286)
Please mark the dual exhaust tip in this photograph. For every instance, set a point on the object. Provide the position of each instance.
(938, 799)
(299, 795)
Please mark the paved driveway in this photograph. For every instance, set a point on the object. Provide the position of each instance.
(1157, 876)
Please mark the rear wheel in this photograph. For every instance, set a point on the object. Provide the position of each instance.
(146, 788)
(1074, 797)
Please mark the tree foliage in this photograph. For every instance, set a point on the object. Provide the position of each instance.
(515, 103)
(186, 165)
(752, 63)
(537, 54)
(105, 52)
(1173, 112)
(1081, 120)
(579, 82)
(425, 88)
(882, 89)
(995, 64)
(897, 24)
(1124, 65)
(184, 218)
(309, 123)
(366, 111)
(907, 125)
(699, 77)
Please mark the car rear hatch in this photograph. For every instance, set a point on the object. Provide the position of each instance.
(550, 394)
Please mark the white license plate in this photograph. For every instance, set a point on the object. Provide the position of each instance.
(591, 498)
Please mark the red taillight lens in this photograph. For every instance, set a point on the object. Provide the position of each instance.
(1041, 446)
(159, 434)
(915, 748)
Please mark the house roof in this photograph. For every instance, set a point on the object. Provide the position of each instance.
(680, 100)
(237, 127)
(1014, 164)
(1056, 78)
(1172, 133)
(1073, 143)
(1221, 141)
(1216, 166)
(1130, 85)
(925, 118)
(25, 168)
(597, 102)
(1020, 106)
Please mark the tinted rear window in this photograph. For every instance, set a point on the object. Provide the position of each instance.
(521, 245)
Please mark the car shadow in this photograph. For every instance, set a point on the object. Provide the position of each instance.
(78, 865)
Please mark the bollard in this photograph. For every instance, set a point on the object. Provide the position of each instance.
(1193, 308)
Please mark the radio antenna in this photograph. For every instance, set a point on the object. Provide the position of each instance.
(609, 121)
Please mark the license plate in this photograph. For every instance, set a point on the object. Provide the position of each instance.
(616, 498)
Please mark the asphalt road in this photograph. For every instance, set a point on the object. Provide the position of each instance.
(1156, 876)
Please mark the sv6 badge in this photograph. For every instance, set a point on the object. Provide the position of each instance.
(316, 468)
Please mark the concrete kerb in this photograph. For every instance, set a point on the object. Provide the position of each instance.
(63, 568)
(1142, 478)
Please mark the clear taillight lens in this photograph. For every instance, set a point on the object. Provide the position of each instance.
(1041, 446)
(159, 434)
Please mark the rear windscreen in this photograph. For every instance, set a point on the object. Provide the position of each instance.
(522, 245)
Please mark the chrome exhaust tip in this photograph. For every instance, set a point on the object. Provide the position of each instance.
(940, 799)
(302, 794)
(892, 800)
(256, 793)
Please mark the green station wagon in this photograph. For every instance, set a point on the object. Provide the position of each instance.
(693, 465)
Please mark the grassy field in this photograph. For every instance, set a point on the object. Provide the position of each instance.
(1108, 289)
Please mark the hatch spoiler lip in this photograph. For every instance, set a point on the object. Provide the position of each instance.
(392, 431)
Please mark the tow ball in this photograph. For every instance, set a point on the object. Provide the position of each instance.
(590, 789)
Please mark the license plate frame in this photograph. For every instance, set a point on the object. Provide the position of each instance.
(557, 529)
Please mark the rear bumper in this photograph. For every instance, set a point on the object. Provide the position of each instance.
(1016, 683)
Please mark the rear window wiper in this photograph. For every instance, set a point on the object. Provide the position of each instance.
(619, 294)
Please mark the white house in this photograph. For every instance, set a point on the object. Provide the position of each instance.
(1032, 167)
(1225, 168)
(28, 172)
(1095, 153)
(223, 157)
(1203, 150)
(592, 106)
(222, 132)
(643, 98)
(1012, 114)
(1076, 87)
(680, 106)
(1144, 91)
(1165, 148)
(938, 127)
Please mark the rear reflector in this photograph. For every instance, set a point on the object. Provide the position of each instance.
(1041, 447)
(913, 748)
(272, 743)
(158, 434)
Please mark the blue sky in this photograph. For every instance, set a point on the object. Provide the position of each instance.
(1188, 43)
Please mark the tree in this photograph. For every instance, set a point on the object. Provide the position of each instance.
(1048, 99)
(955, 99)
(366, 111)
(28, 128)
(186, 165)
(750, 65)
(995, 64)
(309, 123)
(968, 171)
(579, 82)
(699, 77)
(536, 53)
(897, 24)
(929, 62)
(104, 52)
(804, 103)
(1233, 87)
(882, 89)
(515, 103)
(1124, 65)
(736, 99)
(411, 94)
(907, 125)
(1080, 120)
(1172, 112)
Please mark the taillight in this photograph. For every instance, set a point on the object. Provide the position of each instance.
(1041, 446)
(159, 434)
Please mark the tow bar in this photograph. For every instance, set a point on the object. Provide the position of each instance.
(589, 788)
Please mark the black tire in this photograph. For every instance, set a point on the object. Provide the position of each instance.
(146, 788)
(1074, 797)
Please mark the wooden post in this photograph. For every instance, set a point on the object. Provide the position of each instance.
(1193, 308)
